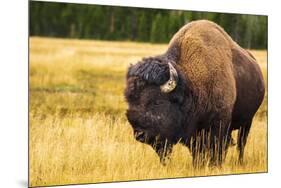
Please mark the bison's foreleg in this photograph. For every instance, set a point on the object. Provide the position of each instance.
(220, 137)
(209, 146)
(199, 148)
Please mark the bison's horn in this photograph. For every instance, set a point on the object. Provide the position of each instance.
(171, 84)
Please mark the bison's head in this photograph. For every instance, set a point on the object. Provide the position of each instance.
(155, 94)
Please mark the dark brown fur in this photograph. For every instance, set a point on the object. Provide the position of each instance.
(220, 88)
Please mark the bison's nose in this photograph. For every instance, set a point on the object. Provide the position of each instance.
(140, 136)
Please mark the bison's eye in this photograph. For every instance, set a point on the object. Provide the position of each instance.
(158, 102)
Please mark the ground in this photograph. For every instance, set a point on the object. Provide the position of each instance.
(78, 132)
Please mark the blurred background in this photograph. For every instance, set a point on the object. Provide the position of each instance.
(83, 21)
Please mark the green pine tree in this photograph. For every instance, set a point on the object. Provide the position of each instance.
(158, 30)
(143, 28)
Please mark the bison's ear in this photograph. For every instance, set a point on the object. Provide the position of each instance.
(150, 70)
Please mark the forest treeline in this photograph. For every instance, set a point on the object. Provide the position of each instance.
(136, 24)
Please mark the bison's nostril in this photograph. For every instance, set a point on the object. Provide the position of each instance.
(140, 135)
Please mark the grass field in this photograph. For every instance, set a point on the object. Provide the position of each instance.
(78, 132)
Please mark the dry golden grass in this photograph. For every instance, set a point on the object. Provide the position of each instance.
(78, 130)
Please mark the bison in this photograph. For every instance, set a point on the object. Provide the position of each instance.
(196, 93)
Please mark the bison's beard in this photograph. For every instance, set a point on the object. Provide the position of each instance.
(163, 148)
